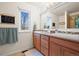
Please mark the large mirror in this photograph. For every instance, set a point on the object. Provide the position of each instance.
(46, 20)
(73, 20)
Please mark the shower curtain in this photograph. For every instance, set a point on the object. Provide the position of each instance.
(8, 35)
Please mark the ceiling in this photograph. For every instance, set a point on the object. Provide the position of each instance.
(67, 6)
(41, 5)
(57, 8)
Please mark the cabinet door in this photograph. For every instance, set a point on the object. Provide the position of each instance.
(34, 42)
(45, 45)
(38, 45)
(54, 49)
(37, 42)
(69, 52)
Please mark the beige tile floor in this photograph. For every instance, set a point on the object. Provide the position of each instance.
(18, 54)
(31, 52)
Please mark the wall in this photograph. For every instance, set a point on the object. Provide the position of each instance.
(24, 38)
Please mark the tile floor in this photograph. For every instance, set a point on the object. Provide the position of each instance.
(31, 52)
(18, 54)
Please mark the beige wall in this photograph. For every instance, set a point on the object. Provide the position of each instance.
(24, 38)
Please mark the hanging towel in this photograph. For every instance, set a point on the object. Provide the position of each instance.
(8, 35)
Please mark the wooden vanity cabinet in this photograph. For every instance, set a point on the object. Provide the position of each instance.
(45, 44)
(37, 41)
(55, 46)
(63, 47)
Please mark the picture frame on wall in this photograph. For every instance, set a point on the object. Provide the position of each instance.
(24, 20)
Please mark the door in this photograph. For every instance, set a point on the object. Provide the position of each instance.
(37, 42)
(69, 52)
(55, 49)
(45, 44)
(38, 45)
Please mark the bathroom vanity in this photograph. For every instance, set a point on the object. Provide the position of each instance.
(56, 44)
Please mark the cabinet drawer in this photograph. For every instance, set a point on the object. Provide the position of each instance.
(44, 50)
(44, 37)
(44, 43)
(36, 35)
(37, 38)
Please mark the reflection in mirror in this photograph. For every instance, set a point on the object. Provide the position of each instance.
(73, 21)
(77, 22)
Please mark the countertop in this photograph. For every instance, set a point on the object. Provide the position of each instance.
(72, 37)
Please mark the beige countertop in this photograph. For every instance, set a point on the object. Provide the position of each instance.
(73, 37)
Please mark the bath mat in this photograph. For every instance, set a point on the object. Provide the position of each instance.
(33, 52)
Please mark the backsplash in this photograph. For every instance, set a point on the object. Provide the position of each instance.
(67, 32)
